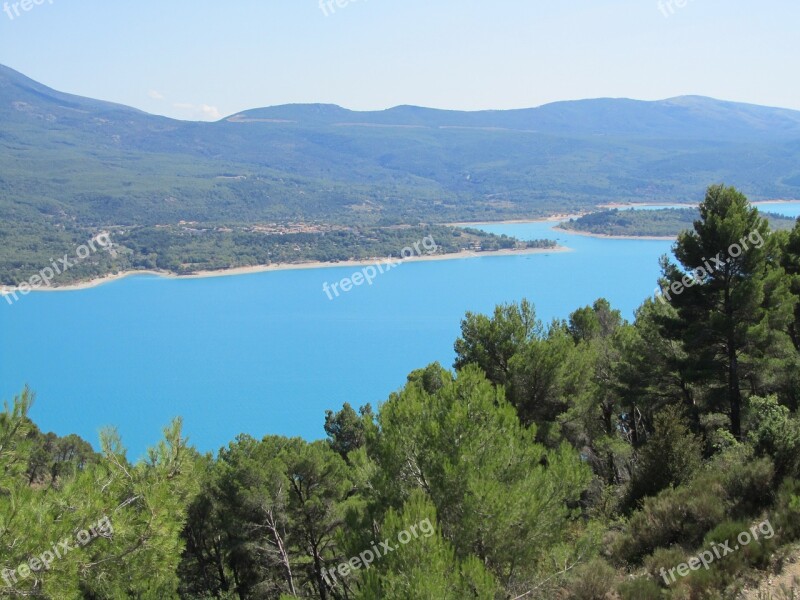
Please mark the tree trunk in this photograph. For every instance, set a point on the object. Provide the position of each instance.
(323, 588)
(734, 393)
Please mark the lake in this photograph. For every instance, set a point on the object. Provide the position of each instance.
(269, 352)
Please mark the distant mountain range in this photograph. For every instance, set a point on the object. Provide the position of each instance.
(683, 118)
(98, 160)
(76, 164)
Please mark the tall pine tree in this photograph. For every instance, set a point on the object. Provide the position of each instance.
(733, 305)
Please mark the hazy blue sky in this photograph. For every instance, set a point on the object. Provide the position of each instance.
(197, 58)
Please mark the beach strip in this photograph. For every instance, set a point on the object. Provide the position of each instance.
(465, 254)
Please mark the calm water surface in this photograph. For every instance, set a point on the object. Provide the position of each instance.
(269, 352)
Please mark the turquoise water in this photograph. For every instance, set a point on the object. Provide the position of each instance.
(269, 352)
(789, 209)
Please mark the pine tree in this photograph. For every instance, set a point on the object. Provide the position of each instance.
(426, 566)
(111, 521)
(732, 303)
(498, 494)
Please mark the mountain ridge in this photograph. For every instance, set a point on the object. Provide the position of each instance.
(551, 118)
(72, 166)
(545, 116)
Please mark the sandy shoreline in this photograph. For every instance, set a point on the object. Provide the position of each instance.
(550, 219)
(283, 267)
(611, 205)
(361, 263)
(775, 202)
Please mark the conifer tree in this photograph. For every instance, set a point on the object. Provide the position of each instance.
(733, 307)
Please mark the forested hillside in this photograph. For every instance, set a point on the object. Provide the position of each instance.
(188, 248)
(668, 222)
(110, 166)
(587, 458)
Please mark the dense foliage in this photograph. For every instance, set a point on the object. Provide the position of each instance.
(665, 222)
(55, 493)
(189, 248)
(579, 459)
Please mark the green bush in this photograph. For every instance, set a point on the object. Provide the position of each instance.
(696, 585)
(774, 432)
(786, 514)
(662, 560)
(640, 589)
(594, 580)
(755, 554)
(676, 516)
(749, 486)
(716, 429)
(733, 485)
(671, 456)
(701, 585)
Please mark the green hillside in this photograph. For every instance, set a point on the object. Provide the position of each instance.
(72, 167)
(667, 222)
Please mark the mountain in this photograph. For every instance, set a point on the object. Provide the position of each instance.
(683, 118)
(71, 165)
(398, 161)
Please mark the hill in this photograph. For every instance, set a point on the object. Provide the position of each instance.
(74, 166)
(661, 223)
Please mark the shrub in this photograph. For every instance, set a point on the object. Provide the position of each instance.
(640, 589)
(734, 484)
(594, 580)
(716, 432)
(786, 514)
(755, 554)
(774, 432)
(676, 516)
(749, 486)
(722, 578)
(671, 456)
(701, 585)
(662, 560)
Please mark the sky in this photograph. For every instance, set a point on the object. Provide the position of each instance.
(203, 60)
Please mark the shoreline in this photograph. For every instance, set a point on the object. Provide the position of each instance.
(550, 219)
(685, 204)
(566, 217)
(661, 238)
(776, 202)
(251, 270)
(609, 205)
(464, 254)
(612, 205)
(654, 237)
